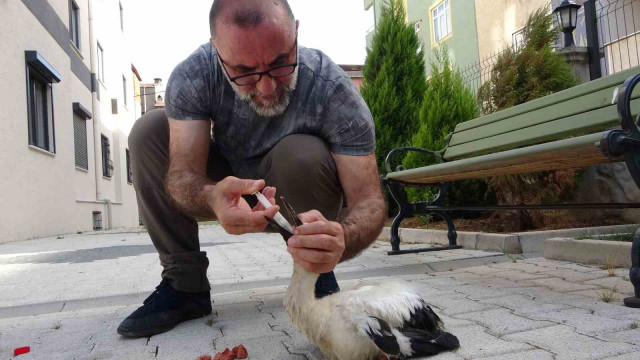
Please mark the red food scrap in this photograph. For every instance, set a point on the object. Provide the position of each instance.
(21, 350)
(240, 352)
(225, 355)
(204, 357)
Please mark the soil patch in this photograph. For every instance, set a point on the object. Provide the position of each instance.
(487, 223)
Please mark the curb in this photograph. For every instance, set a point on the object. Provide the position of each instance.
(589, 251)
(516, 243)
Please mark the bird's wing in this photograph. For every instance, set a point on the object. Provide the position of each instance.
(397, 319)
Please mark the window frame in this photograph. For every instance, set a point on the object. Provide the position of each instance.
(129, 171)
(39, 72)
(74, 18)
(121, 16)
(100, 59)
(107, 164)
(432, 21)
(79, 112)
(124, 90)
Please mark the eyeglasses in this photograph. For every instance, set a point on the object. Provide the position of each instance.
(252, 78)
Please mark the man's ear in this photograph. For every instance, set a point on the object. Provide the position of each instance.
(212, 42)
(297, 24)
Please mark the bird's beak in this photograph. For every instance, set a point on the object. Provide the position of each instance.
(293, 218)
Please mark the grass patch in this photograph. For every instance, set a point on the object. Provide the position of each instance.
(610, 265)
(209, 321)
(626, 236)
(607, 295)
(513, 258)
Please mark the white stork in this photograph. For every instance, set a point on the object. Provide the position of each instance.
(388, 320)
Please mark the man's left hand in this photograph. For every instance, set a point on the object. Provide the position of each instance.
(318, 244)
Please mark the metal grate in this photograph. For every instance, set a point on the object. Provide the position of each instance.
(107, 164)
(97, 220)
(80, 142)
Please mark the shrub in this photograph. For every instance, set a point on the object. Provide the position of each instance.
(447, 102)
(394, 80)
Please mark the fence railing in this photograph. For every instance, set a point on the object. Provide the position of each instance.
(619, 34)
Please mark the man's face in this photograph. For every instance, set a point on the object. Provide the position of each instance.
(245, 51)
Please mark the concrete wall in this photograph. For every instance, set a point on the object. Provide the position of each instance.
(498, 20)
(42, 193)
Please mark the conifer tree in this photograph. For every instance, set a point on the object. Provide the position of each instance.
(394, 80)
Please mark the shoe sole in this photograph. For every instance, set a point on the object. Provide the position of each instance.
(162, 329)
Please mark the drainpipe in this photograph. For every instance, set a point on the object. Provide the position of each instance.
(95, 107)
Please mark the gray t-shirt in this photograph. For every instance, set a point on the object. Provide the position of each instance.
(325, 103)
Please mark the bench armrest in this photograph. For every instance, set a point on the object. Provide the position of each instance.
(387, 161)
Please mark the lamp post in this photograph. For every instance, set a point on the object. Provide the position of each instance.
(567, 15)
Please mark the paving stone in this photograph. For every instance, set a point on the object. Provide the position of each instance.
(458, 305)
(557, 284)
(618, 283)
(479, 292)
(630, 336)
(567, 344)
(517, 275)
(523, 304)
(476, 343)
(584, 322)
(501, 322)
(600, 294)
(576, 276)
(526, 355)
(627, 356)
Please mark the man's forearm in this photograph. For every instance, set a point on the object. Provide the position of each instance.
(191, 193)
(362, 225)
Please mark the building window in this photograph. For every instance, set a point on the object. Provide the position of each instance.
(416, 26)
(517, 39)
(441, 21)
(80, 117)
(124, 90)
(107, 165)
(121, 18)
(74, 27)
(40, 78)
(100, 63)
(129, 172)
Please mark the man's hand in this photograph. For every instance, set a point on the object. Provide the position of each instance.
(234, 213)
(318, 244)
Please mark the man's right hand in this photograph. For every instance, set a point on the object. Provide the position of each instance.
(234, 213)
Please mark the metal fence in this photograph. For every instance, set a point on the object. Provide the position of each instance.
(618, 23)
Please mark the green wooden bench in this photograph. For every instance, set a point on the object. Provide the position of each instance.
(568, 129)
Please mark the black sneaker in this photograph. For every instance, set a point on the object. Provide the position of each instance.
(163, 310)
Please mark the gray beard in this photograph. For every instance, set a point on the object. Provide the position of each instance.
(275, 108)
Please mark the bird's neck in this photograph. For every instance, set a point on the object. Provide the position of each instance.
(301, 292)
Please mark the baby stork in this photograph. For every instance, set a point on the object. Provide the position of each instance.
(371, 322)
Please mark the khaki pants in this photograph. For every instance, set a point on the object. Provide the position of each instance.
(299, 166)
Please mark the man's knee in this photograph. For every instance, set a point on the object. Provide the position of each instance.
(153, 125)
(302, 154)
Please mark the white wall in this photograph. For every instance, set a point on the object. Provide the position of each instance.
(39, 192)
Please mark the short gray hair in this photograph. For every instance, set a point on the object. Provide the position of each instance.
(245, 15)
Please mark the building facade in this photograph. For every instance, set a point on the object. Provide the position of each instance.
(68, 106)
(438, 22)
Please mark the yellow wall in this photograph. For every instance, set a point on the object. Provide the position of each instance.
(497, 20)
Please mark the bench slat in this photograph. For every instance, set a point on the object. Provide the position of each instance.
(561, 96)
(561, 154)
(597, 120)
(579, 105)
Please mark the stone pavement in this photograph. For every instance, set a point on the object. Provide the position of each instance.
(65, 296)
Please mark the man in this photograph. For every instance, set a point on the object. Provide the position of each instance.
(284, 116)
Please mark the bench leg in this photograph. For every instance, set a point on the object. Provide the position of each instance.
(634, 273)
(395, 235)
(407, 209)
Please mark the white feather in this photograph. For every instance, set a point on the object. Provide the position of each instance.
(337, 323)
